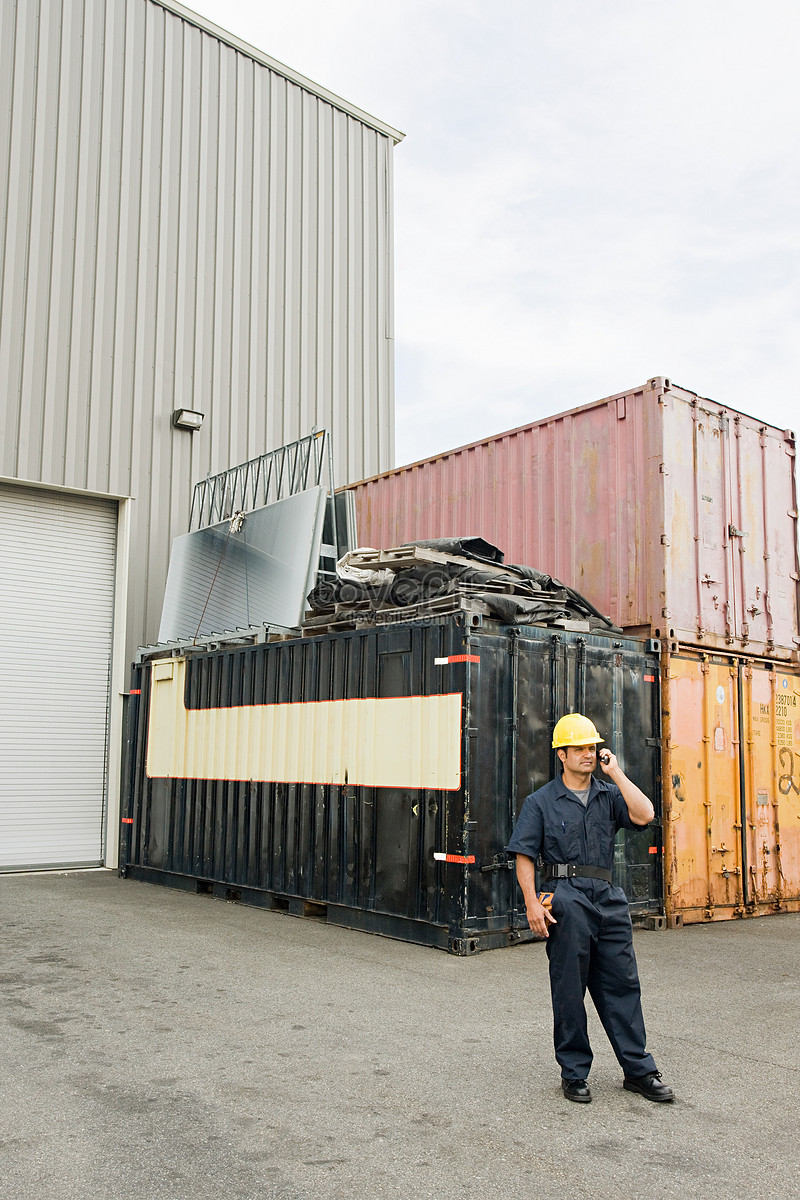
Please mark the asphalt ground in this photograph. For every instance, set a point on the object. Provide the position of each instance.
(156, 1044)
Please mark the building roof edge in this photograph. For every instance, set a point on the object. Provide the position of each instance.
(236, 43)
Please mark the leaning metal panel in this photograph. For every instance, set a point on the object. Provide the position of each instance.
(273, 476)
(255, 569)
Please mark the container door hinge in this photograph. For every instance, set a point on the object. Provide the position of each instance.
(652, 741)
(664, 540)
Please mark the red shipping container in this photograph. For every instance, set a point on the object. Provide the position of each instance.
(674, 515)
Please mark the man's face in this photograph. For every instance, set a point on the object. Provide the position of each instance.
(580, 759)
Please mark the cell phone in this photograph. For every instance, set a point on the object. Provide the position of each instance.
(546, 899)
(605, 756)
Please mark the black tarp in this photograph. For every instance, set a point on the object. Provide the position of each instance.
(516, 594)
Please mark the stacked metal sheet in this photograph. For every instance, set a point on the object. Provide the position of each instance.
(445, 575)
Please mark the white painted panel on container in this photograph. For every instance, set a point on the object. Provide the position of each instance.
(56, 613)
(397, 742)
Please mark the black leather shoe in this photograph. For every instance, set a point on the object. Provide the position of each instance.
(577, 1090)
(650, 1086)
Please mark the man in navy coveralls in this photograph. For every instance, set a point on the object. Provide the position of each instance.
(570, 824)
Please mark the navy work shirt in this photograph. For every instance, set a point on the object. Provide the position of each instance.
(556, 825)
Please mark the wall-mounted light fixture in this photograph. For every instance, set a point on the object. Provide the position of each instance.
(187, 418)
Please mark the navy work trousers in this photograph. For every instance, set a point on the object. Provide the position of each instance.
(592, 946)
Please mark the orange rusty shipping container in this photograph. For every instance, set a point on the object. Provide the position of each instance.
(673, 514)
(731, 772)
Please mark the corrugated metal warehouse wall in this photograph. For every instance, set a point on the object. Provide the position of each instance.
(187, 224)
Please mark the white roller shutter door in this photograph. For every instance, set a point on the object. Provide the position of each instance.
(57, 555)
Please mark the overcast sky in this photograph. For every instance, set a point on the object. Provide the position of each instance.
(590, 193)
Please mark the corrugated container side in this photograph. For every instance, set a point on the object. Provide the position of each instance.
(673, 515)
(556, 494)
(373, 778)
(730, 528)
(731, 787)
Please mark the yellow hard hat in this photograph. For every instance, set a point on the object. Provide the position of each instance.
(575, 730)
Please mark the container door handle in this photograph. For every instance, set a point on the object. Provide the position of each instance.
(499, 864)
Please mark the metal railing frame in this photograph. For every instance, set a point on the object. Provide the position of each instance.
(271, 476)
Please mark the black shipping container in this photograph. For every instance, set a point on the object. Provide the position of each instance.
(405, 859)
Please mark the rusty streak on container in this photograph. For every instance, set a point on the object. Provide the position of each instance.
(673, 514)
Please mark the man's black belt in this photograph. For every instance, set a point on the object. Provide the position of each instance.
(575, 870)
